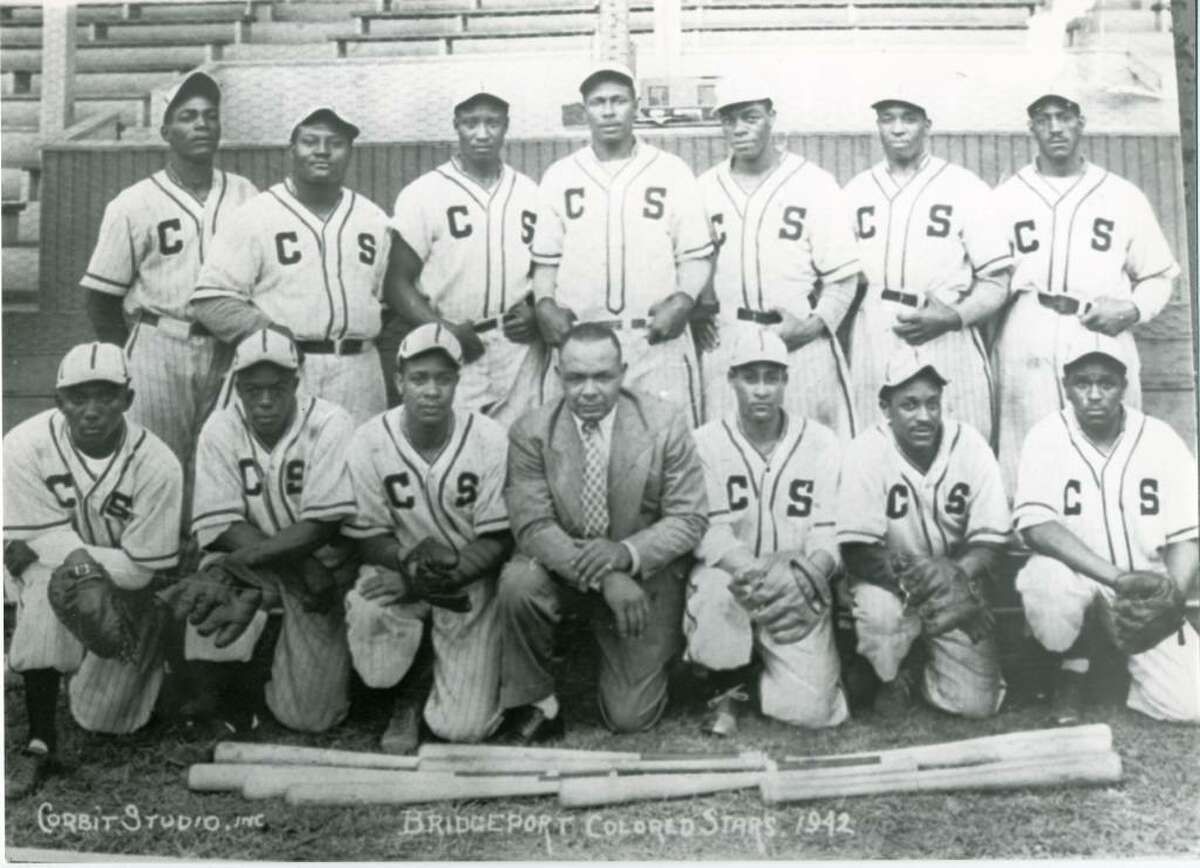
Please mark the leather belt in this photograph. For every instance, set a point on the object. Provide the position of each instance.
(762, 317)
(195, 329)
(1064, 305)
(908, 298)
(618, 324)
(344, 347)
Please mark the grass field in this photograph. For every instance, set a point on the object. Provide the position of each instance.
(137, 783)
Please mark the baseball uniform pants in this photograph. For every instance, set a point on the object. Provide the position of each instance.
(463, 705)
(505, 381)
(800, 681)
(961, 677)
(632, 683)
(1165, 681)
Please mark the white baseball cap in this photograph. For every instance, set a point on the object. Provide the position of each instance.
(607, 68)
(87, 363)
(427, 337)
(1056, 94)
(473, 90)
(1089, 343)
(758, 345)
(903, 365)
(326, 112)
(266, 345)
(903, 95)
(195, 84)
(735, 91)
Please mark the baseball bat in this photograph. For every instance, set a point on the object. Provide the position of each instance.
(1064, 770)
(398, 793)
(616, 789)
(471, 752)
(218, 777)
(648, 763)
(274, 784)
(287, 754)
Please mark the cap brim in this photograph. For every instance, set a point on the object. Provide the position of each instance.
(480, 95)
(1052, 97)
(1097, 353)
(885, 390)
(732, 104)
(892, 100)
(596, 75)
(196, 84)
(329, 114)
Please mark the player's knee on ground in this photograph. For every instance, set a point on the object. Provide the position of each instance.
(800, 683)
(1056, 600)
(383, 640)
(718, 631)
(963, 677)
(628, 707)
(1165, 681)
(522, 584)
(885, 632)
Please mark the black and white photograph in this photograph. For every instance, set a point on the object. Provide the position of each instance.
(599, 430)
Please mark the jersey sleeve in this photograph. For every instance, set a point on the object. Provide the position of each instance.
(328, 494)
(151, 539)
(550, 228)
(233, 264)
(408, 219)
(217, 501)
(1180, 497)
(691, 233)
(1148, 263)
(1039, 482)
(860, 499)
(371, 515)
(834, 254)
(115, 258)
(491, 512)
(30, 507)
(983, 232)
(988, 516)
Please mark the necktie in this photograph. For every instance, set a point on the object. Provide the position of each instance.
(595, 484)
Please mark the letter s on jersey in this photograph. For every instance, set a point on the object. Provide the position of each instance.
(956, 500)
(1102, 234)
(800, 495)
(793, 223)
(468, 489)
(1148, 495)
(528, 222)
(573, 201)
(366, 248)
(285, 250)
(119, 506)
(293, 476)
(1025, 243)
(655, 208)
(168, 246)
(939, 221)
(897, 501)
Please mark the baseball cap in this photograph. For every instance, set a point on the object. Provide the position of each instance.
(474, 89)
(1032, 108)
(903, 365)
(266, 345)
(327, 113)
(735, 91)
(607, 69)
(759, 345)
(195, 84)
(86, 363)
(907, 96)
(428, 337)
(1089, 343)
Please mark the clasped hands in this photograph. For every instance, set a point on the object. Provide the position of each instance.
(604, 564)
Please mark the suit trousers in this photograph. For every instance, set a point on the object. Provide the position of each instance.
(632, 683)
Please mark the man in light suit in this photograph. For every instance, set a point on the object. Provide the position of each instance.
(606, 498)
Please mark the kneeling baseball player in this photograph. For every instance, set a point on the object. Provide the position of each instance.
(272, 490)
(769, 552)
(1106, 498)
(922, 518)
(433, 532)
(91, 515)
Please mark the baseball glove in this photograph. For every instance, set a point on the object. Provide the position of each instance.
(787, 599)
(945, 597)
(109, 621)
(428, 573)
(219, 601)
(1147, 609)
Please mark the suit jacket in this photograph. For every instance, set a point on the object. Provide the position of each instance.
(657, 500)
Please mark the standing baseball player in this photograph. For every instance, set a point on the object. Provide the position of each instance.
(622, 239)
(307, 257)
(921, 519)
(1089, 256)
(88, 497)
(461, 257)
(1106, 498)
(153, 239)
(272, 490)
(936, 260)
(766, 560)
(786, 261)
(433, 532)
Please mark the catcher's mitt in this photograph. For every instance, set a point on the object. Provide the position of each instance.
(219, 601)
(109, 621)
(1147, 609)
(787, 599)
(428, 573)
(945, 597)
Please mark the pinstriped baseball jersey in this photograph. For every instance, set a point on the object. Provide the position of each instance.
(454, 500)
(885, 499)
(474, 242)
(1126, 506)
(617, 238)
(320, 278)
(781, 503)
(154, 238)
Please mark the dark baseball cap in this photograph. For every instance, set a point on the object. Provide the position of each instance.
(196, 84)
(1033, 107)
(325, 113)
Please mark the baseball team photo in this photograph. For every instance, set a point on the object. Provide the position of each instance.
(637, 430)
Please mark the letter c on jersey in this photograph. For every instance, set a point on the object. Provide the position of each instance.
(1025, 244)
(734, 484)
(1071, 492)
(574, 209)
(897, 501)
(454, 214)
(64, 481)
(396, 484)
(285, 250)
(168, 245)
(866, 230)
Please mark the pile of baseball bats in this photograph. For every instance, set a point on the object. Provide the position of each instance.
(1077, 755)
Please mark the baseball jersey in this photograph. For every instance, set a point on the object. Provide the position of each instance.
(617, 238)
(130, 500)
(781, 503)
(886, 500)
(155, 236)
(322, 279)
(474, 242)
(1097, 237)
(456, 499)
(304, 476)
(1125, 506)
(776, 244)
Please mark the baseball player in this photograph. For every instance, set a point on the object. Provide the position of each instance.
(772, 480)
(1089, 255)
(308, 257)
(622, 239)
(429, 479)
(921, 517)
(272, 489)
(462, 258)
(1104, 490)
(786, 261)
(937, 264)
(82, 476)
(153, 239)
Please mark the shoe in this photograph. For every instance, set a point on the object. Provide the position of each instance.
(1066, 709)
(722, 720)
(403, 732)
(528, 725)
(240, 725)
(25, 773)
